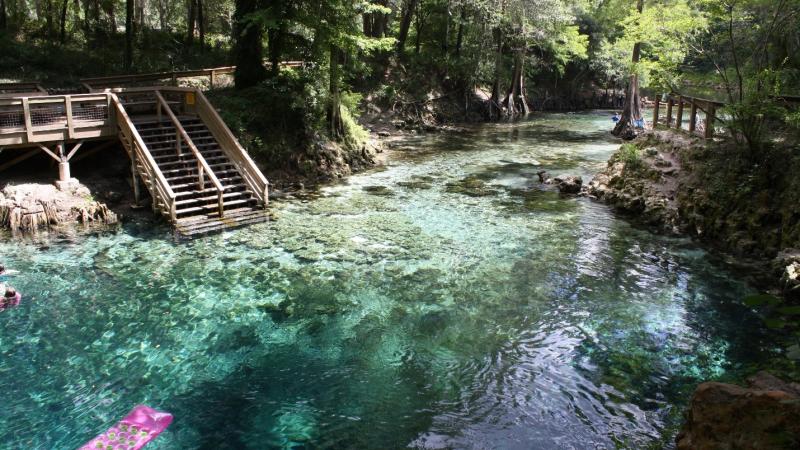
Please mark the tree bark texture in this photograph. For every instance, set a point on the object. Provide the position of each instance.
(3, 15)
(335, 124)
(129, 11)
(248, 50)
(63, 33)
(201, 24)
(494, 103)
(631, 112)
(405, 25)
(516, 101)
(191, 21)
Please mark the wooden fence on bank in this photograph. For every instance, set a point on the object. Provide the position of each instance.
(678, 103)
(173, 76)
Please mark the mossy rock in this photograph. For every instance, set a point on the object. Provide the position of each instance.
(381, 191)
(472, 186)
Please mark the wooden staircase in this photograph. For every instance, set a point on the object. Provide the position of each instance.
(198, 175)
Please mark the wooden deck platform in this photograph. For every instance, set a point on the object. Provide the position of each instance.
(196, 172)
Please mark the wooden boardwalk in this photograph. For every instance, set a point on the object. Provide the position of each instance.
(182, 154)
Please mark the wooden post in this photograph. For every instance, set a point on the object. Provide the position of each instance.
(710, 117)
(693, 117)
(63, 165)
(135, 180)
(655, 111)
(68, 109)
(669, 111)
(679, 118)
(26, 109)
(178, 142)
(201, 180)
(212, 78)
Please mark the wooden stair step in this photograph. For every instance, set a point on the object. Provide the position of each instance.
(213, 206)
(221, 180)
(212, 198)
(214, 215)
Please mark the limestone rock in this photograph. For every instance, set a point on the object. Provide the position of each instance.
(787, 266)
(763, 416)
(569, 184)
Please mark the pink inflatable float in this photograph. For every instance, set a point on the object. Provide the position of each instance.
(136, 430)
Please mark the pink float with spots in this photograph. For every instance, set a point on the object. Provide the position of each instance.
(136, 430)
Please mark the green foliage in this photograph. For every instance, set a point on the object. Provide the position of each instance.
(631, 156)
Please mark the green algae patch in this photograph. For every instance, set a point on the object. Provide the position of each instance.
(381, 191)
(472, 186)
(538, 200)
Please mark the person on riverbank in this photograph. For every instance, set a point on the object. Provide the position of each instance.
(11, 298)
(615, 118)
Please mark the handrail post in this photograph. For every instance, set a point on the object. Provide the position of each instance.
(201, 180)
(68, 112)
(26, 111)
(679, 118)
(693, 117)
(710, 117)
(669, 110)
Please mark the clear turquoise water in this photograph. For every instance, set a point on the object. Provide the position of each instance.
(430, 313)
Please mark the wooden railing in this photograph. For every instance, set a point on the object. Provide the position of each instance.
(212, 74)
(255, 180)
(8, 90)
(31, 120)
(160, 190)
(181, 137)
(709, 107)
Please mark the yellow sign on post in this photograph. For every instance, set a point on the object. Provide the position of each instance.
(190, 98)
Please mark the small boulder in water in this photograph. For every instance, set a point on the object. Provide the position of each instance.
(765, 415)
(569, 184)
(543, 176)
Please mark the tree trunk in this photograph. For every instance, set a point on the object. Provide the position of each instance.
(446, 37)
(201, 24)
(368, 23)
(63, 34)
(494, 103)
(405, 24)
(129, 11)
(277, 38)
(161, 6)
(335, 124)
(3, 15)
(191, 20)
(419, 24)
(516, 101)
(460, 38)
(379, 21)
(631, 112)
(112, 17)
(248, 50)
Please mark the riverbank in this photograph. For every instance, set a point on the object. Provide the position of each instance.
(712, 191)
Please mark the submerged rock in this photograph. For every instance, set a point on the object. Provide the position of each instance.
(764, 416)
(569, 184)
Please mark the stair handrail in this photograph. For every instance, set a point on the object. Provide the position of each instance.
(161, 187)
(204, 167)
(252, 174)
